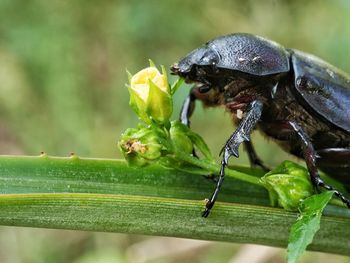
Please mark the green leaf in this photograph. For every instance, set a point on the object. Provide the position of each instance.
(303, 231)
(176, 85)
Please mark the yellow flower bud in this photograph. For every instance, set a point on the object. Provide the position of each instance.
(150, 95)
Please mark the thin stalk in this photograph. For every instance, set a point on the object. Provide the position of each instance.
(215, 168)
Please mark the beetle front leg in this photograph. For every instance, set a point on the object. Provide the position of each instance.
(189, 103)
(241, 134)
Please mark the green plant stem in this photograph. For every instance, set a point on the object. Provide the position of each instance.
(107, 195)
(215, 168)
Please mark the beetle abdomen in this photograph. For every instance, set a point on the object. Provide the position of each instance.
(335, 162)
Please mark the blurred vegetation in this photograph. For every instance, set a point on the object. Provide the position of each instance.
(62, 75)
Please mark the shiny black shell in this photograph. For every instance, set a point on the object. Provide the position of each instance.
(240, 52)
(324, 88)
(250, 54)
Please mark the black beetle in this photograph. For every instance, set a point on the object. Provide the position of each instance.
(293, 97)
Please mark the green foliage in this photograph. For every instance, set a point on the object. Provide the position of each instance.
(308, 223)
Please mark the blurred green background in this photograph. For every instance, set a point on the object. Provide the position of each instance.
(62, 75)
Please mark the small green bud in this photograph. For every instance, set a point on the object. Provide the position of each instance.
(288, 184)
(184, 140)
(150, 95)
(143, 145)
(181, 141)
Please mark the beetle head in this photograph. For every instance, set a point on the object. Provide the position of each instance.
(197, 65)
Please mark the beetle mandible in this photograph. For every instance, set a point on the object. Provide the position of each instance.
(293, 97)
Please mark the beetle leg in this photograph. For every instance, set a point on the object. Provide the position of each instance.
(188, 108)
(253, 157)
(310, 159)
(189, 103)
(241, 134)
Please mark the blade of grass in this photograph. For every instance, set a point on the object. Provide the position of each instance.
(43, 174)
(106, 195)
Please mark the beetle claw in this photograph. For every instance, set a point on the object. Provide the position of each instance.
(320, 183)
(205, 213)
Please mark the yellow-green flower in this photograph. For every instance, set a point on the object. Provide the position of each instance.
(150, 95)
(288, 184)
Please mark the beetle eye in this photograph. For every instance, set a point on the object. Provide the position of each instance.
(210, 57)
